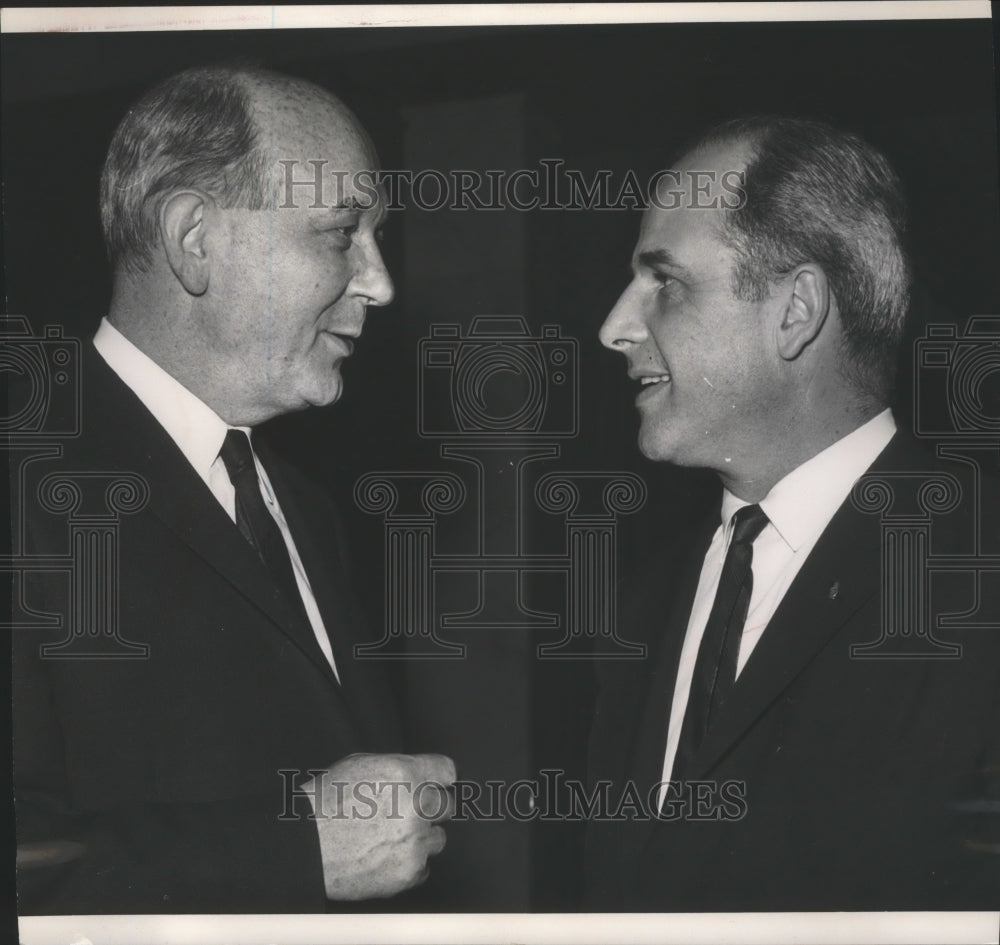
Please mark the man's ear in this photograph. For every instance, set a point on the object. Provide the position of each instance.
(805, 312)
(182, 230)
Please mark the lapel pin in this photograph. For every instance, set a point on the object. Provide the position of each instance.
(834, 590)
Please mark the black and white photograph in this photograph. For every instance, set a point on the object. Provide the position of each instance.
(496, 473)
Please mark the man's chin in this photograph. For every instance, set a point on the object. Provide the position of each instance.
(325, 395)
(655, 447)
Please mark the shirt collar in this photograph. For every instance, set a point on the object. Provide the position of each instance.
(196, 429)
(801, 504)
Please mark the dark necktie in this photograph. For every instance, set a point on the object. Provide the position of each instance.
(715, 667)
(254, 521)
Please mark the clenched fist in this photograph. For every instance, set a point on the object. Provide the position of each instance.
(378, 818)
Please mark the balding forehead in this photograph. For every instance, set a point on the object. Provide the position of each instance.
(269, 90)
(293, 110)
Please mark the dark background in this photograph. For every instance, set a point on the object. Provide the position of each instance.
(597, 97)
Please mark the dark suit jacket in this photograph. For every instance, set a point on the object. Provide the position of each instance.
(835, 783)
(167, 769)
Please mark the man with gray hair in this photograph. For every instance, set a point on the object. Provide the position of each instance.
(797, 738)
(247, 762)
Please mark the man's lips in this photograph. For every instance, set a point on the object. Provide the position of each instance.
(650, 381)
(647, 379)
(345, 341)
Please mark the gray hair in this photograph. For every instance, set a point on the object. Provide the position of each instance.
(818, 194)
(195, 129)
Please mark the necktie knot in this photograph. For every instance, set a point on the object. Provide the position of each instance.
(237, 456)
(748, 523)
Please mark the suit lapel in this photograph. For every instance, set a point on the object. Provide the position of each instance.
(845, 559)
(181, 501)
(840, 575)
(321, 559)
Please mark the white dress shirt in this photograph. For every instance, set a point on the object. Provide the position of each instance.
(198, 432)
(798, 508)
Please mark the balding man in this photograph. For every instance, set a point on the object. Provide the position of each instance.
(771, 753)
(247, 763)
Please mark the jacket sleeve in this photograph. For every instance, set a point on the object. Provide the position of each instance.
(231, 854)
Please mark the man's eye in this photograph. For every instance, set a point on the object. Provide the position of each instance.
(664, 282)
(342, 236)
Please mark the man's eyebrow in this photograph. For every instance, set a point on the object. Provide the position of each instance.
(653, 258)
(354, 204)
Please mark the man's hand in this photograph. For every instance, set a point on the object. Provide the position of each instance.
(377, 817)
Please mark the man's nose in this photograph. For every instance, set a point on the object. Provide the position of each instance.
(622, 327)
(374, 281)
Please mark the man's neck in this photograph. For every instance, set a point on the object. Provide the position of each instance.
(789, 450)
(169, 339)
